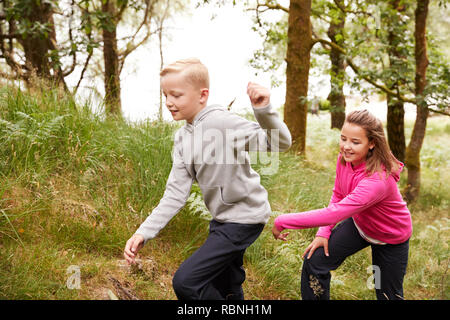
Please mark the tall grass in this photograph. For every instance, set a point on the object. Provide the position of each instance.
(75, 186)
(72, 179)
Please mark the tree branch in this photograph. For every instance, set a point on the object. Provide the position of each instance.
(14, 65)
(346, 10)
(73, 52)
(131, 46)
(6, 75)
(83, 71)
(9, 36)
(356, 69)
(439, 111)
(270, 6)
(121, 11)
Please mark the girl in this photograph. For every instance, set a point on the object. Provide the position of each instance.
(367, 200)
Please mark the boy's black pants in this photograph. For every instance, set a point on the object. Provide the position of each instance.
(215, 271)
(389, 263)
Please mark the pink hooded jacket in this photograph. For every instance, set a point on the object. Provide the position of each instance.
(374, 203)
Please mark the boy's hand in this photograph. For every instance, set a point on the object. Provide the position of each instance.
(259, 95)
(134, 244)
(278, 235)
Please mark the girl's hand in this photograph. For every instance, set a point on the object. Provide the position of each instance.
(316, 243)
(278, 235)
(134, 244)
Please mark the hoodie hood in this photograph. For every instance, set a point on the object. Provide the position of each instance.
(202, 115)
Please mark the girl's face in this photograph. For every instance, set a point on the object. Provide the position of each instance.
(354, 144)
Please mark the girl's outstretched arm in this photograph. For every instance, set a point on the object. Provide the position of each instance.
(369, 191)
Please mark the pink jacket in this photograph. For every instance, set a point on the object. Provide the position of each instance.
(374, 202)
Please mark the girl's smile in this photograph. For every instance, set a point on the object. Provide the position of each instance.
(354, 144)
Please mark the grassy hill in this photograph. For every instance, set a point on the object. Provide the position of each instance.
(75, 186)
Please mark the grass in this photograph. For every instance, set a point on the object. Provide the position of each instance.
(75, 186)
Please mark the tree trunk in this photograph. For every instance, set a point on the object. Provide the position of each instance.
(396, 128)
(396, 112)
(297, 71)
(38, 47)
(418, 134)
(336, 95)
(111, 60)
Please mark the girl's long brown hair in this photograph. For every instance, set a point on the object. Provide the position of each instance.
(381, 154)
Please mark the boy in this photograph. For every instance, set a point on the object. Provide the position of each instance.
(211, 150)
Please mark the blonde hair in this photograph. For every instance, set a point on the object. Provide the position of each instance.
(380, 155)
(195, 72)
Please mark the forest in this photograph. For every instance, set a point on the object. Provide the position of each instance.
(78, 178)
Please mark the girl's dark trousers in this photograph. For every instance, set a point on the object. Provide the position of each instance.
(389, 264)
(215, 271)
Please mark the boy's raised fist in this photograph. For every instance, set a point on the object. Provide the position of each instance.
(259, 95)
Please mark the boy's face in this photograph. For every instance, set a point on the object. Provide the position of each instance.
(183, 99)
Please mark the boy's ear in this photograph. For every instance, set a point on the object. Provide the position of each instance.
(204, 94)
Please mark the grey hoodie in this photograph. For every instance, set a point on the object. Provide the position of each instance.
(213, 151)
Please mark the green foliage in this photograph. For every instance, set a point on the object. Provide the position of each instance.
(378, 38)
(324, 104)
(21, 11)
(438, 77)
(270, 58)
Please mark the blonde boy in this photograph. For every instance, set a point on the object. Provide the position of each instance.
(211, 149)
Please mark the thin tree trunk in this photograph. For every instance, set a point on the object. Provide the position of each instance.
(418, 134)
(336, 95)
(297, 71)
(396, 128)
(111, 60)
(396, 113)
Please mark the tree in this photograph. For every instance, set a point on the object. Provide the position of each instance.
(297, 71)
(298, 47)
(369, 46)
(103, 19)
(298, 53)
(418, 134)
(28, 42)
(429, 93)
(397, 63)
(337, 73)
(111, 57)
(161, 19)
